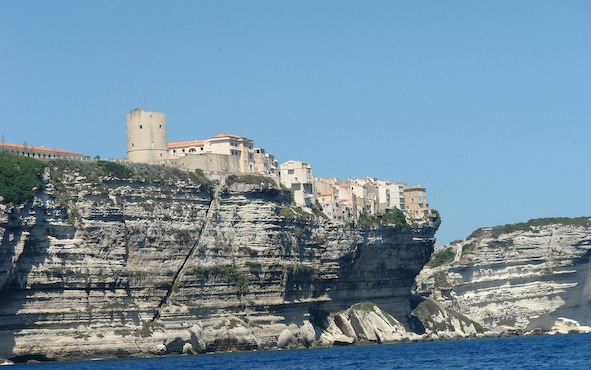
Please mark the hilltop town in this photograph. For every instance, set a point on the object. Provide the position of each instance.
(340, 200)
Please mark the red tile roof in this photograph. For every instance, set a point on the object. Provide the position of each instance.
(415, 188)
(219, 136)
(185, 144)
(37, 148)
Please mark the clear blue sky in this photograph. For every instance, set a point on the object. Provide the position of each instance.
(486, 103)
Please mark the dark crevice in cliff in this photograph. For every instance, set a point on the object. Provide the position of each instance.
(208, 217)
(13, 290)
(135, 317)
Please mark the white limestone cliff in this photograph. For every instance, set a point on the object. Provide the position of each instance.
(160, 261)
(524, 277)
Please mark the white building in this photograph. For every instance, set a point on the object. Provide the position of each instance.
(395, 195)
(234, 145)
(297, 176)
(182, 148)
(223, 153)
(40, 152)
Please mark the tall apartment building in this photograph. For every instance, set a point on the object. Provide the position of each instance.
(234, 145)
(415, 201)
(297, 176)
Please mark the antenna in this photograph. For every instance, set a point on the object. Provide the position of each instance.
(145, 104)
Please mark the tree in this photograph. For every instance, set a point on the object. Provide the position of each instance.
(19, 176)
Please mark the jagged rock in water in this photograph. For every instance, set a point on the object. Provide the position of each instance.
(162, 262)
(434, 318)
(516, 277)
(362, 322)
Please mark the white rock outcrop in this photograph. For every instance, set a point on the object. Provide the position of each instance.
(516, 277)
(362, 322)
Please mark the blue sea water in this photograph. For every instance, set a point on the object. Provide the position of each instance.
(571, 351)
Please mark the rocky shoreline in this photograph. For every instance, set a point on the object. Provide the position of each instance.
(161, 262)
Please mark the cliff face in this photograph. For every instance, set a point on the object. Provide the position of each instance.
(99, 266)
(519, 277)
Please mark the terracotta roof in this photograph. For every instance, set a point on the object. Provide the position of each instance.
(219, 136)
(413, 188)
(37, 148)
(185, 144)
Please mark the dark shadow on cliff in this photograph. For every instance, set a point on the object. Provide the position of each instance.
(15, 270)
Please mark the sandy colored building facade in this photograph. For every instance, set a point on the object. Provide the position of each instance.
(347, 200)
(146, 137)
(265, 163)
(341, 200)
(416, 206)
(223, 153)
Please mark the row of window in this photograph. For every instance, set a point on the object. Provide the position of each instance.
(38, 155)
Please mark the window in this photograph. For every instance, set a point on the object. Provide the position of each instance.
(290, 172)
(141, 127)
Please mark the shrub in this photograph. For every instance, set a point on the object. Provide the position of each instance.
(295, 213)
(227, 272)
(318, 210)
(18, 177)
(394, 217)
(302, 271)
(435, 218)
(200, 177)
(116, 170)
(441, 258)
(468, 249)
(250, 179)
(497, 231)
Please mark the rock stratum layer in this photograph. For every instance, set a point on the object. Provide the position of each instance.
(527, 277)
(99, 266)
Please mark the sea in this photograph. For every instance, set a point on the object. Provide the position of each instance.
(572, 351)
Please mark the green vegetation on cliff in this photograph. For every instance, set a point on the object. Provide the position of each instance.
(442, 257)
(435, 218)
(251, 180)
(496, 231)
(396, 217)
(94, 170)
(226, 272)
(18, 177)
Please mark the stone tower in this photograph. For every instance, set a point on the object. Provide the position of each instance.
(146, 137)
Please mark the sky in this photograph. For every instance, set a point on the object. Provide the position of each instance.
(485, 103)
